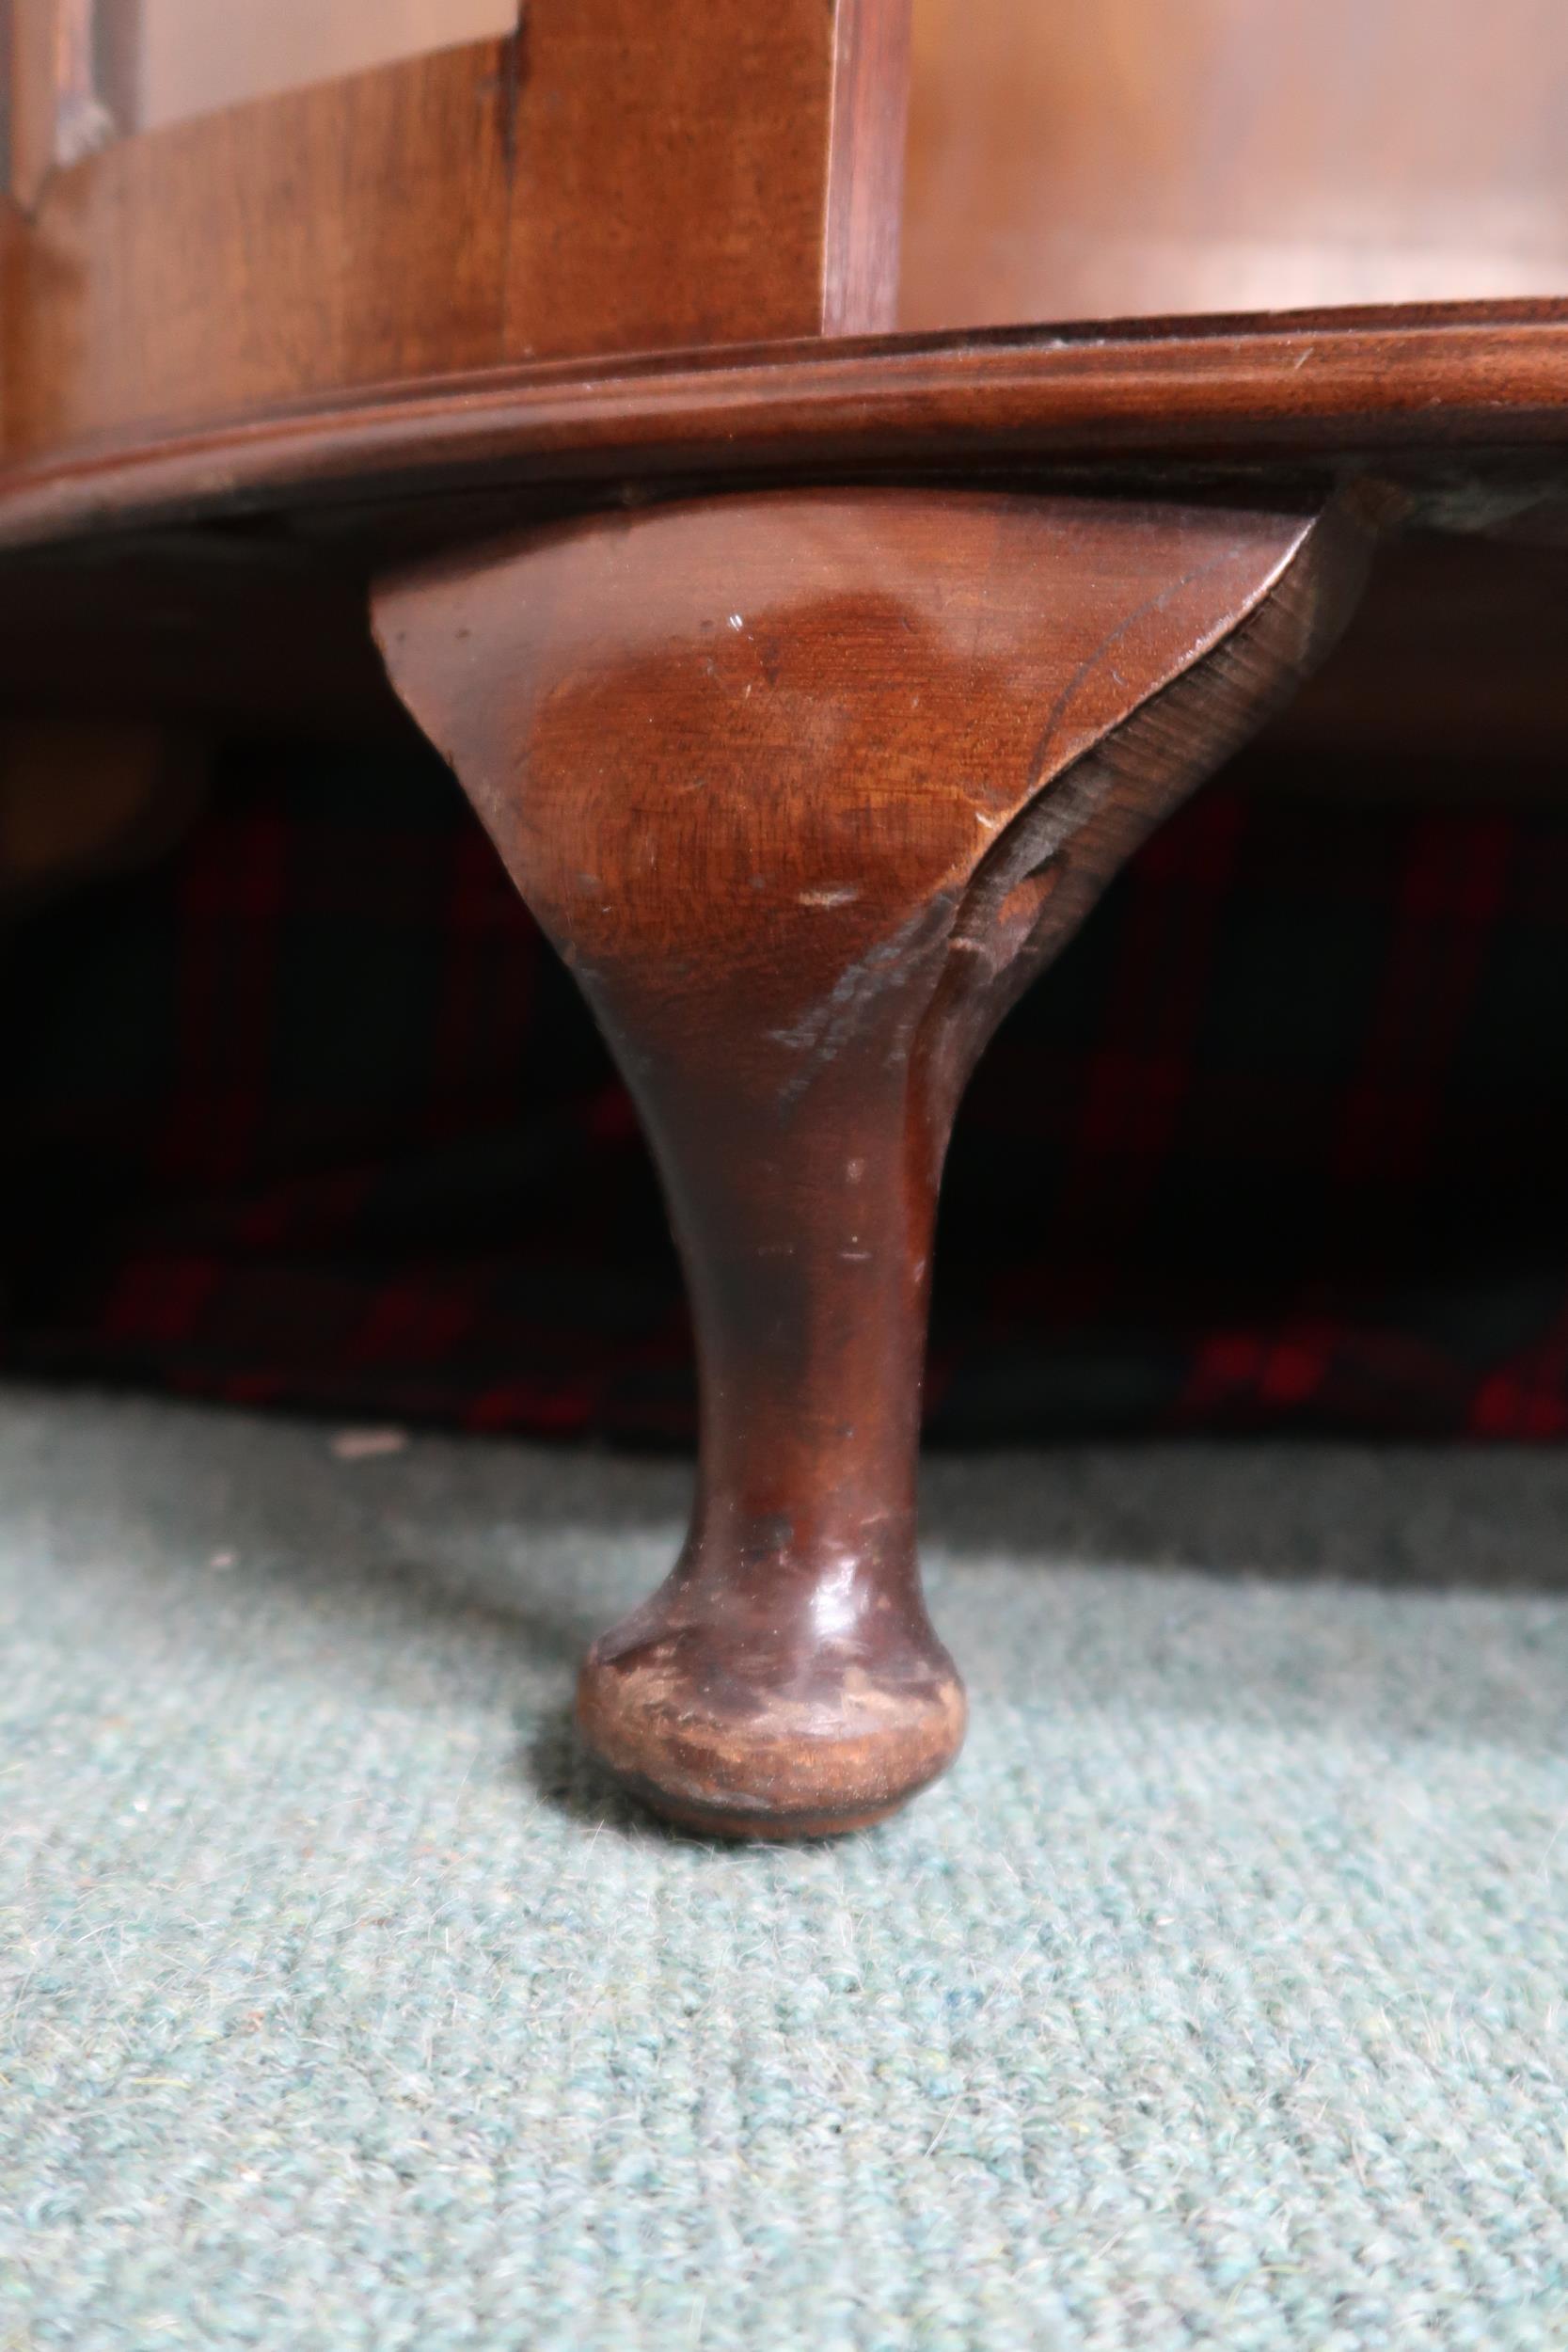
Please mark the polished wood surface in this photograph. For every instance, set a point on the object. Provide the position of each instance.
(679, 179)
(459, 264)
(622, 175)
(1451, 681)
(304, 244)
(806, 780)
(806, 787)
(863, 236)
(1135, 158)
(558, 259)
(1470, 403)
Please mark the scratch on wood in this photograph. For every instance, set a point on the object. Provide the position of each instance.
(822, 1033)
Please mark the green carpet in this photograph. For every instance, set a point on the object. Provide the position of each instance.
(1218, 1998)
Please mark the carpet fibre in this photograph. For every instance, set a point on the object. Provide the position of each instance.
(1217, 1998)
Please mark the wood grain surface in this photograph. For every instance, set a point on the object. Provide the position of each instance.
(1460, 399)
(621, 175)
(806, 787)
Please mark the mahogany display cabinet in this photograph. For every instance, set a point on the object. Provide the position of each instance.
(829, 478)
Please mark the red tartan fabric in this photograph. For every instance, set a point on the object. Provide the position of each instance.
(311, 1117)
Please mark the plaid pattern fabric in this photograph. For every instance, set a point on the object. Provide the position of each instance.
(310, 1116)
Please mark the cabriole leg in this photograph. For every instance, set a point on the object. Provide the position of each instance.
(805, 786)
